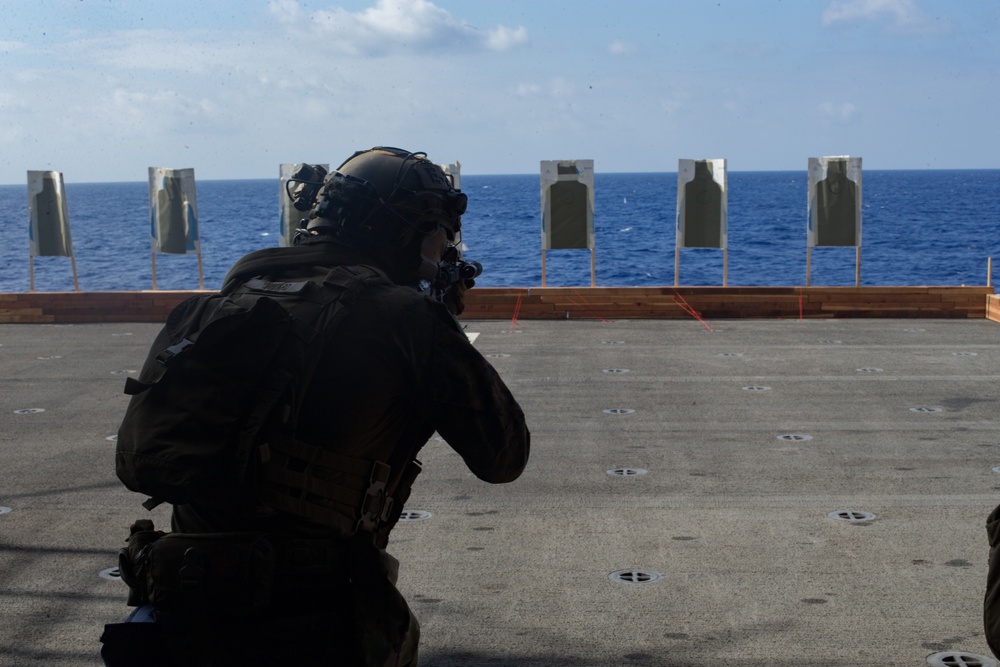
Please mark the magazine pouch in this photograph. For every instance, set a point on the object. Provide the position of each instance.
(225, 574)
(132, 560)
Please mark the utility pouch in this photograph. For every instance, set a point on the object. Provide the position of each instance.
(228, 574)
(130, 644)
(132, 560)
(386, 629)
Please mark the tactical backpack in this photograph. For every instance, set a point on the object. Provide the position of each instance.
(223, 368)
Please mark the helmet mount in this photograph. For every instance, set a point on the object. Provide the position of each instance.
(389, 204)
(383, 197)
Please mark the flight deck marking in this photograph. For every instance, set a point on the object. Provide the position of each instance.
(633, 576)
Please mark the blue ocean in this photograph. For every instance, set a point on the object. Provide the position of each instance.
(918, 228)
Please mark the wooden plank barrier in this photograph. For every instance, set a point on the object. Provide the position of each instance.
(993, 307)
(504, 303)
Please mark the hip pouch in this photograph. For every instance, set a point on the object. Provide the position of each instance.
(229, 574)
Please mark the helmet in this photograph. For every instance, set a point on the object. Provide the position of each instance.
(383, 198)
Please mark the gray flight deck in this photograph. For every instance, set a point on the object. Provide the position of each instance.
(750, 436)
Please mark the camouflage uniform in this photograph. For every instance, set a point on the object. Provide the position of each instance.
(398, 369)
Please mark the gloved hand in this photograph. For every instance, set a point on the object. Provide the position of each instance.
(454, 298)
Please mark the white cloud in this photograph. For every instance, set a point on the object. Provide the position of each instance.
(137, 111)
(748, 50)
(528, 89)
(286, 11)
(840, 113)
(159, 86)
(619, 48)
(26, 77)
(672, 103)
(17, 110)
(12, 47)
(392, 26)
(11, 134)
(158, 50)
(502, 38)
(561, 87)
(900, 15)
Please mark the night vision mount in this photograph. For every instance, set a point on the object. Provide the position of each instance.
(308, 181)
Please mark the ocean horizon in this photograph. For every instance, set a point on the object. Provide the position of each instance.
(919, 227)
(533, 175)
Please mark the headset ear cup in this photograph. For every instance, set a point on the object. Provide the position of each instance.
(362, 196)
(384, 202)
(344, 202)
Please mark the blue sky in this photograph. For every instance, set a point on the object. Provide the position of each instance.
(103, 89)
